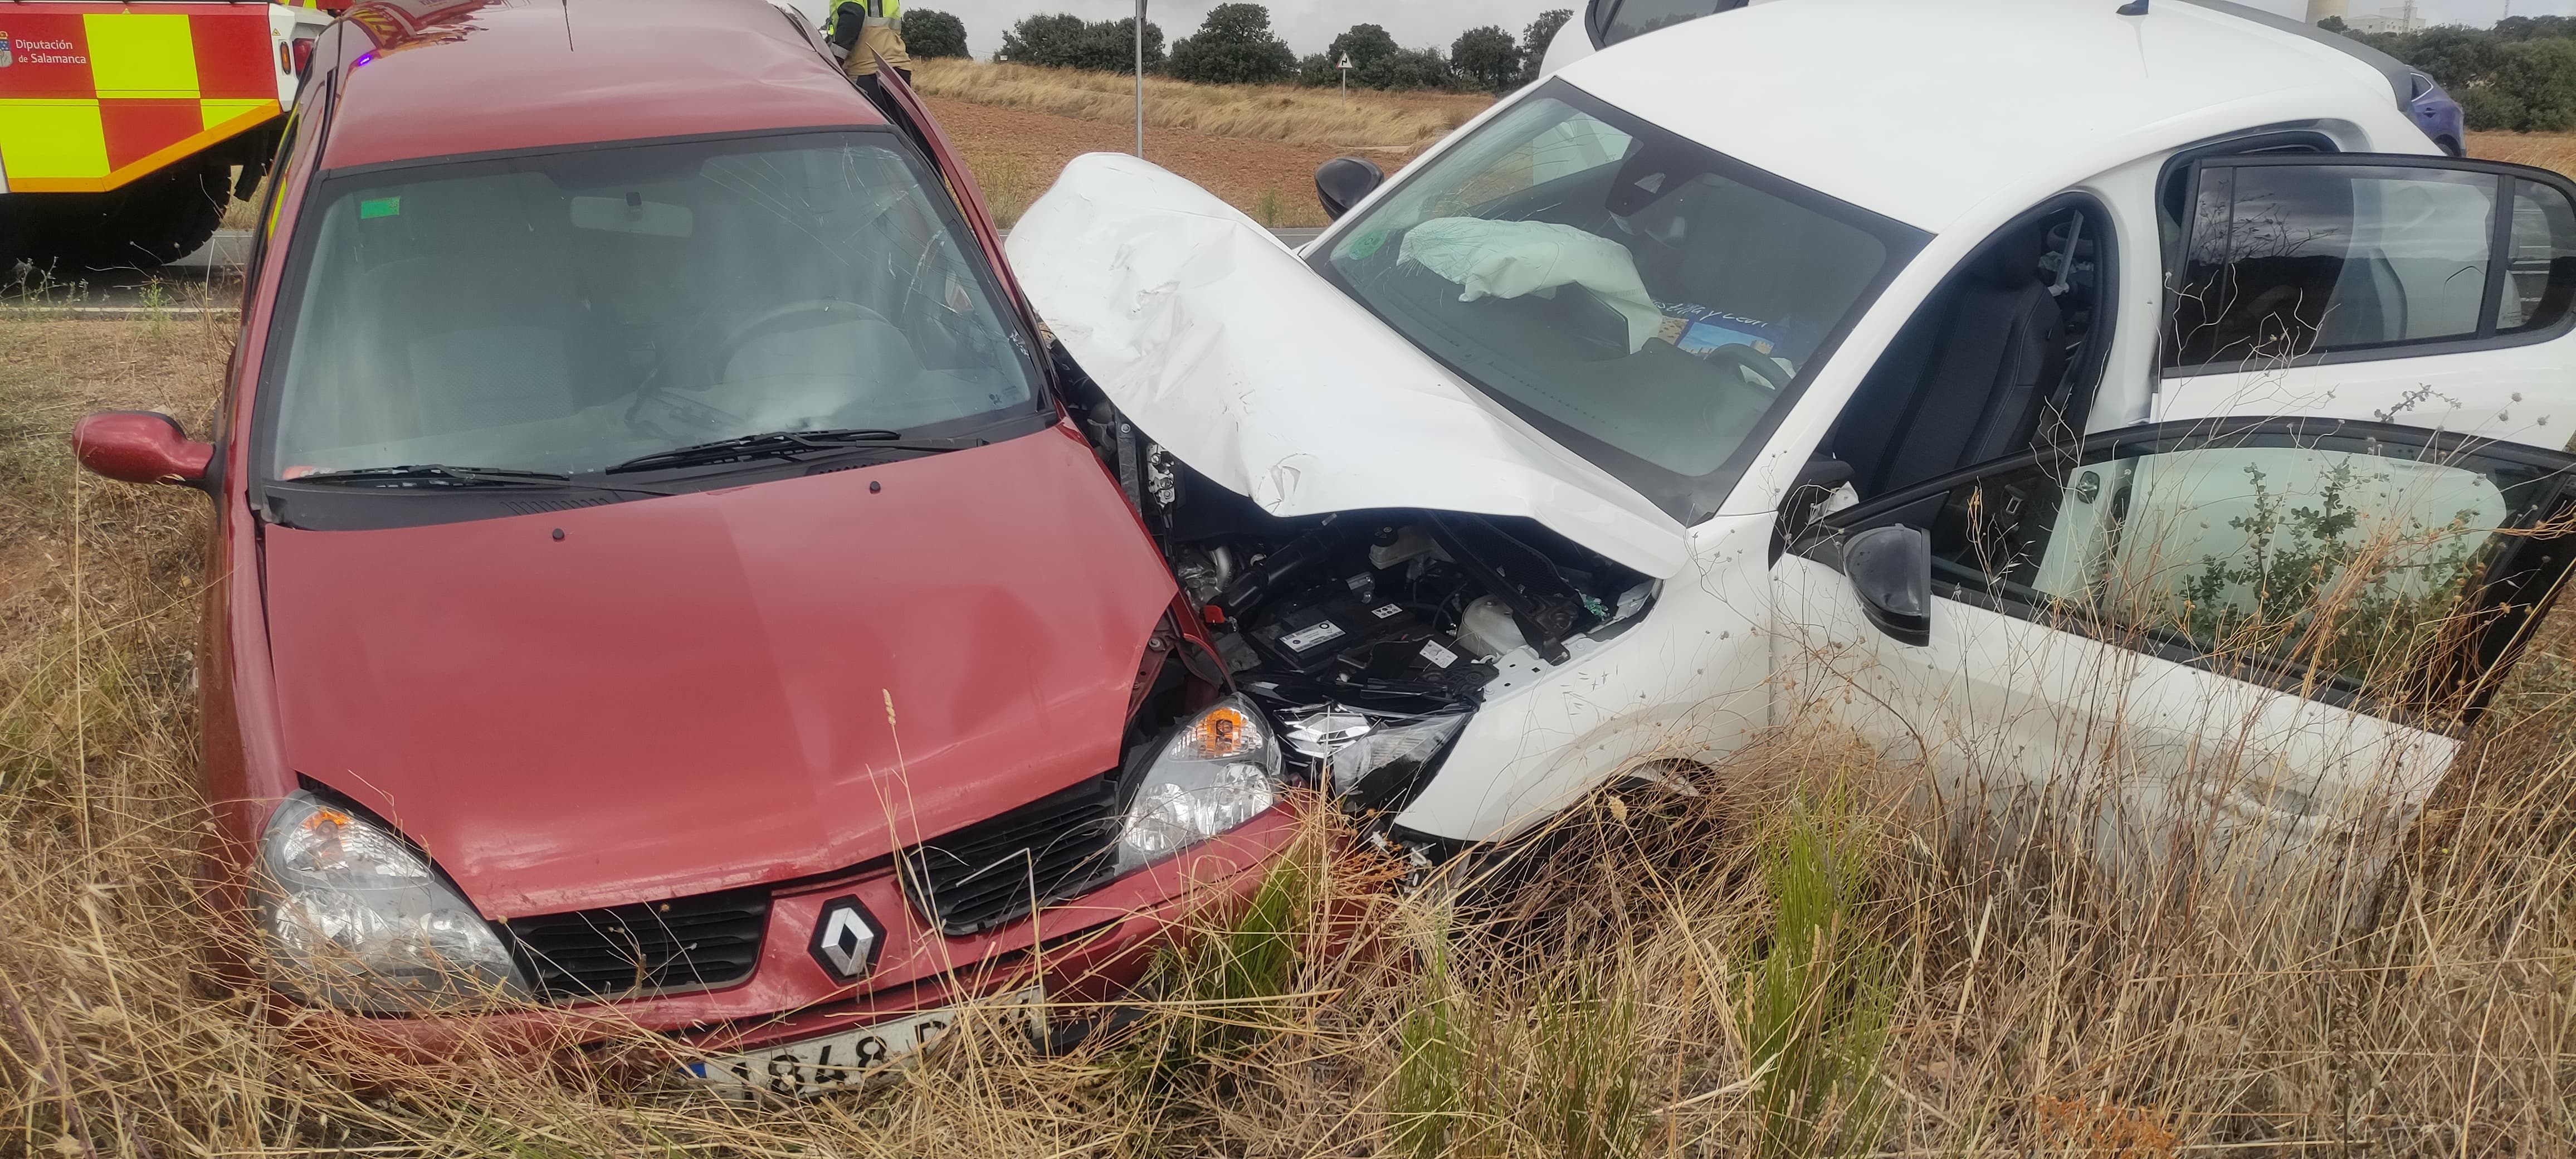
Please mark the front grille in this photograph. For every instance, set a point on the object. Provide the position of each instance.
(685, 943)
(999, 869)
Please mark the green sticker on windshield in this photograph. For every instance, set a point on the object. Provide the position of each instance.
(379, 207)
(1366, 244)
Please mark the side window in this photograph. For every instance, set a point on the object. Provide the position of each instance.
(2540, 265)
(1622, 19)
(2292, 257)
(2358, 564)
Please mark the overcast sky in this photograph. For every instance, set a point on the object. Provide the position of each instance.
(1308, 25)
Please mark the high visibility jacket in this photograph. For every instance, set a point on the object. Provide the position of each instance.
(96, 93)
(880, 33)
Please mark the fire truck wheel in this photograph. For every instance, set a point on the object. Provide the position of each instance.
(152, 221)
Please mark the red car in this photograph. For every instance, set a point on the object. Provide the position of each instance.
(656, 580)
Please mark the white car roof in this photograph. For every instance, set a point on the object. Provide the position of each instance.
(1926, 111)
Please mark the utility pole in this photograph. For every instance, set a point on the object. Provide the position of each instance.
(1140, 80)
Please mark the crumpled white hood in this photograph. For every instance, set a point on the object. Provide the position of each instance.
(1217, 342)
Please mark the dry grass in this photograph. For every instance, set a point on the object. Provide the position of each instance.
(243, 213)
(1017, 152)
(1283, 113)
(2546, 150)
(1779, 966)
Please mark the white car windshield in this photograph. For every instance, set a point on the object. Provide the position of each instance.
(1644, 300)
(570, 312)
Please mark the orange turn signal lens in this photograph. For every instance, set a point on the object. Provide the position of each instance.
(322, 816)
(1218, 734)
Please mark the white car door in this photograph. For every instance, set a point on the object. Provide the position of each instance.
(2423, 291)
(2246, 637)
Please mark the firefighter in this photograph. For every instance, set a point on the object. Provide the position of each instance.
(863, 30)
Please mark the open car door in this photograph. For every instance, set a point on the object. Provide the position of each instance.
(2251, 639)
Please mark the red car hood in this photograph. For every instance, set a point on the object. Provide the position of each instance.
(691, 693)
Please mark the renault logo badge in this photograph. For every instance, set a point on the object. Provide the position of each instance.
(846, 939)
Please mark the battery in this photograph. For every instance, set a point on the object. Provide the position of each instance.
(1310, 637)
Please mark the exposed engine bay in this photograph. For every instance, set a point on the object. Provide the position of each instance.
(1370, 635)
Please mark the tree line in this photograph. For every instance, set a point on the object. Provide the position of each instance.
(2519, 75)
(1235, 45)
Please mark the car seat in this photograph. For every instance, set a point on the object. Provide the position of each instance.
(1963, 381)
(482, 323)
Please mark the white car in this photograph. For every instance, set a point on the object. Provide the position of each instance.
(1608, 22)
(1723, 373)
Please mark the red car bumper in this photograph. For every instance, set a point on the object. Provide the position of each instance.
(1083, 950)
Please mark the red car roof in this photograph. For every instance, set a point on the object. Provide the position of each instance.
(480, 76)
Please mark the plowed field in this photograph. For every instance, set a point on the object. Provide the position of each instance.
(1016, 154)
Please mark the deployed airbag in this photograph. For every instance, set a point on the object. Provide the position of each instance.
(1506, 259)
(1221, 345)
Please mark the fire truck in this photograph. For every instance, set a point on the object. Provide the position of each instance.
(126, 126)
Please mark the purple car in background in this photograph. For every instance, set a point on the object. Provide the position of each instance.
(1607, 22)
(2436, 113)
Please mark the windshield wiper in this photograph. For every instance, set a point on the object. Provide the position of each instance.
(439, 475)
(788, 445)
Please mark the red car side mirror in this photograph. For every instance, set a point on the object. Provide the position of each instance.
(138, 446)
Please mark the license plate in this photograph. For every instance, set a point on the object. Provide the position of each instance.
(850, 1058)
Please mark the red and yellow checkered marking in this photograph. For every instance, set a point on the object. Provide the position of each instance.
(95, 95)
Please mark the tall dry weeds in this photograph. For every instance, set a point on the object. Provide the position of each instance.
(1770, 957)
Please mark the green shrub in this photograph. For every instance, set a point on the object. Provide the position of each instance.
(2519, 79)
(1233, 46)
(1487, 58)
(1817, 1001)
(2541, 75)
(1066, 41)
(930, 34)
(1405, 68)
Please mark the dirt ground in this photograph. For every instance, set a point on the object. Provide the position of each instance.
(1016, 154)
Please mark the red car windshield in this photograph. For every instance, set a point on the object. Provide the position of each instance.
(572, 311)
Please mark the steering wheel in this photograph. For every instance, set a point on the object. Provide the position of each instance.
(1745, 358)
(776, 317)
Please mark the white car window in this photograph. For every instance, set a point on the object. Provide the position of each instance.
(1645, 300)
(2290, 260)
(2343, 558)
(2537, 282)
